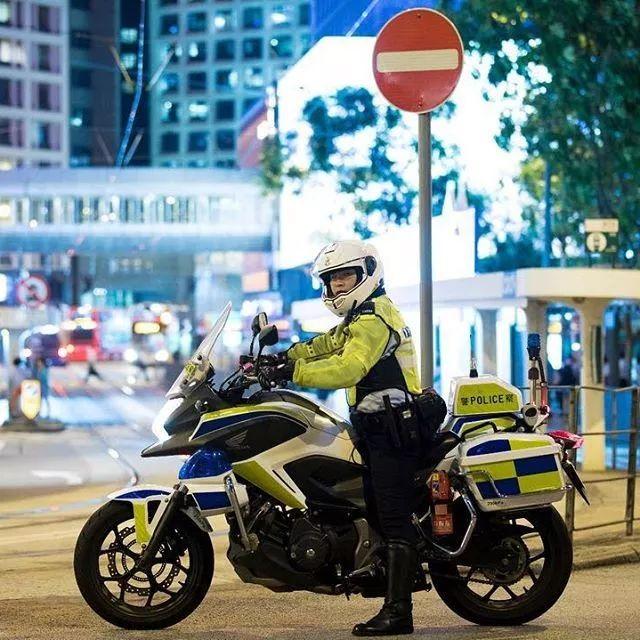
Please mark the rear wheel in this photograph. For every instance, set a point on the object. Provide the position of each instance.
(165, 593)
(531, 567)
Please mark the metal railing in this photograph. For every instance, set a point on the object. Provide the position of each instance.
(572, 425)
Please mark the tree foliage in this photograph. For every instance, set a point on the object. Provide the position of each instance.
(578, 62)
(375, 182)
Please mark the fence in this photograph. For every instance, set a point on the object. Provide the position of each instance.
(571, 423)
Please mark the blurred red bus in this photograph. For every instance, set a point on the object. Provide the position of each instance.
(81, 337)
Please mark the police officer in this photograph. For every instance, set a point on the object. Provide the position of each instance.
(370, 353)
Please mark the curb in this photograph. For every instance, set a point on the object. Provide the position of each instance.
(621, 554)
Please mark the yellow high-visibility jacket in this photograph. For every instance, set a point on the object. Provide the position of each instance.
(371, 351)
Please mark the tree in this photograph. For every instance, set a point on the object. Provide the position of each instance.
(376, 180)
(576, 63)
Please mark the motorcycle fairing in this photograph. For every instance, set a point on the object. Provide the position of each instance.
(209, 498)
(217, 420)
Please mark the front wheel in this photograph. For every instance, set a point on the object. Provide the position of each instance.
(534, 555)
(158, 597)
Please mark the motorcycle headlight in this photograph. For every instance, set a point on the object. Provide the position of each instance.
(157, 427)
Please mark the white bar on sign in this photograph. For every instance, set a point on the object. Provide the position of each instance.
(427, 60)
(603, 225)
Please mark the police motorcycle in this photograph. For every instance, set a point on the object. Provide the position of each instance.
(284, 472)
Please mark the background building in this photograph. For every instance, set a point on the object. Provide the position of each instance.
(220, 58)
(34, 107)
(94, 125)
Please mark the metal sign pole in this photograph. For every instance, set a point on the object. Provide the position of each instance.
(424, 227)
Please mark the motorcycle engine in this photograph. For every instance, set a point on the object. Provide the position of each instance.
(310, 547)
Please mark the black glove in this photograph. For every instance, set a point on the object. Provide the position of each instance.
(271, 376)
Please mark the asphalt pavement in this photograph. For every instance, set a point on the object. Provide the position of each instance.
(39, 600)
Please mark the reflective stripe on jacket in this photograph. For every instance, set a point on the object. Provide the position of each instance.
(370, 352)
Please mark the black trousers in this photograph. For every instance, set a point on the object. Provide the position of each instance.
(388, 480)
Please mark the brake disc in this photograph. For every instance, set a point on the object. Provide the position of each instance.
(511, 557)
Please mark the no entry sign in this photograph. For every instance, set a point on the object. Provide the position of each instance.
(417, 60)
(32, 291)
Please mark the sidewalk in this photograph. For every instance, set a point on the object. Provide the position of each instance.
(606, 545)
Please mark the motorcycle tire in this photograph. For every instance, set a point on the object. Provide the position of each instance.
(112, 607)
(552, 580)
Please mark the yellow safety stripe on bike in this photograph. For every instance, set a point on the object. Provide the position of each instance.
(551, 481)
(485, 395)
(528, 444)
(143, 534)
(253, 472)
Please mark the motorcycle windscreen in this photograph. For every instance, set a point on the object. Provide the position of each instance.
(196, 368)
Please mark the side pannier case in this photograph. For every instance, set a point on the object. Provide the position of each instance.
(513, 471)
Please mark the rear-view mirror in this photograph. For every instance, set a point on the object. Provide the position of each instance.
(268, 336)
(258, 323)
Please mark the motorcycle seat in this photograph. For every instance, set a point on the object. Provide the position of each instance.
(441, 443)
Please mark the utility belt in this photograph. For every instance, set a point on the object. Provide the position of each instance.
(410, 425)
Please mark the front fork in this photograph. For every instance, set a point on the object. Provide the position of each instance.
(173, 504)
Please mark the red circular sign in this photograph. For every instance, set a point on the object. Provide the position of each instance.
(33, 291)
(417, 60)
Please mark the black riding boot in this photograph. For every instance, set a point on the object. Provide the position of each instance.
(395, 616)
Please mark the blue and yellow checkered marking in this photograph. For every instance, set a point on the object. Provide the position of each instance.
(517, 477)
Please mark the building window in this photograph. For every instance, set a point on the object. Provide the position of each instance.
(45, 135)
(46, 58)
(305, 42)
(80, 78)
(172, 51)
(225, 140)
(11, 132)
(169, 142)
(46, 19)
(249, 103)
(225, 110)
(197, 22)
(80, 4)
(195, 1)
(252, 18)
(10, 92)
(252, 48)
(169, 111)
(223, 20)
(198, 111)
(198, 141)
(282, 15)
(46, 97)
(129, 60)
(129, 36)
(197, 52)
(12, 53)
(11, 13)
(197, 81)
(226, 79)
(253, 78)
(281, 47)
(169, 83)
(226, 164)
(169, 25)
(304, 14)
(80, 156)
(225, 50)
(80, 39)
(80, 117)
(168, 3)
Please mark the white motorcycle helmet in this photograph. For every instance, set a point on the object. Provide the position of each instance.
(355, 254)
